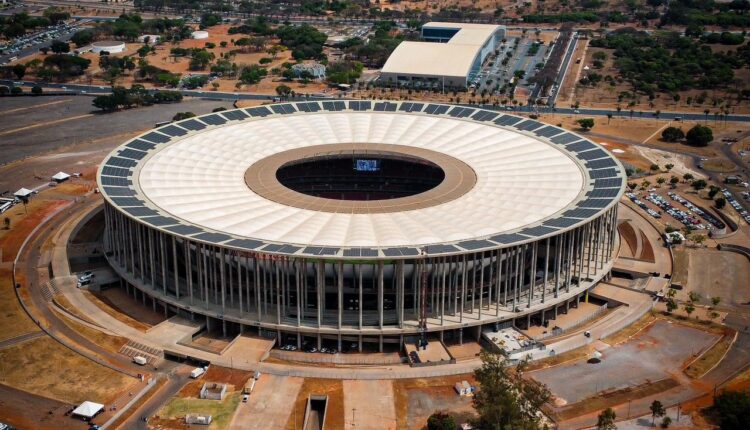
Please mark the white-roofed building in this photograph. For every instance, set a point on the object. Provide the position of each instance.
(88, 409)
(451, 55)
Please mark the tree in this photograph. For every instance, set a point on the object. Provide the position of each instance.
(687, 177)
(657, 410)
(689, 308)
(733, 409)
(669, 167)
(441, 421)
(661, 180)
(674, 180)
(606, 420)
(182, 115)
(699, 135)
(586, 123)
(82, 38)
(505, 399)
(671, 305)
(665, 422)
(16, 90)
(283, 91)
(36, 90)
(715, 301)
(672, 134)
(699, 184)
(698, 238)
(654, 168)
(720, 202)
(59, 47)
(19, 70)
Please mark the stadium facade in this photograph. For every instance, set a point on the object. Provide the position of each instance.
(341, 221)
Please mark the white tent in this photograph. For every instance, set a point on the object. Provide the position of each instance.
(23, 192)
(60, 177)
(88, 409)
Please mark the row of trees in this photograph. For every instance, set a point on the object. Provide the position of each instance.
(136, 95)
(698, 135)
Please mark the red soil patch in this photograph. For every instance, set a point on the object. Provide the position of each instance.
(11, 242)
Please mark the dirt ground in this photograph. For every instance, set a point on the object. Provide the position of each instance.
(417, 399)
(605, 96)
(369, 404)
(46, 368)
(655, 353)
(15, 406)
(334, 389)
(712, 273)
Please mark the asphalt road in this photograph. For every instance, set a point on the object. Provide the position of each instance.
(176, 379)
(214, 95)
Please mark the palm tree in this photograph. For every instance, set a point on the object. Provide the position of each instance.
(657, 410)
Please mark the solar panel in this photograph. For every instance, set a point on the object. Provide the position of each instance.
(272, 247)
(156, 137)
(192, 124)
(283, 109)
(234, 115)
(593, 154)
(385, 107)
(562, 222)
(308, 107)
(289, 249)
(132, 153)
(212, 237)
(608, 183)
(121, 162)
(484, 115)
(172, 130)
(580, 213)
(580, 146)
(475, 244)
(507, 120)
(436, 109)
(115, 171)
(411, 107)
(548, 131)
(140, 211)
(321, 250)
(600, 164)
(538, 231)
(369, 252)
(184, 229)
(354, 252)
(160, 221)
(508, 238)
(603, 192)
(119, 191)
(604, 173)
(141, 145)
(261, 111)
(127, 201)
(440, 249)
(331, 106)
(565, 138)
(245, 243)
(214, 119)
(116, 181)
(360, 105)
(529, 125)
(594, 203)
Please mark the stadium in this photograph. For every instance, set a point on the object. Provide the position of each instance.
(364, 222)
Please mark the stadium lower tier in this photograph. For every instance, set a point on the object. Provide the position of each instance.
(378, 300)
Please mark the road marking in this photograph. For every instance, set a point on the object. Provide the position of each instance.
(70, 118)
(657, 131)
(35, 106)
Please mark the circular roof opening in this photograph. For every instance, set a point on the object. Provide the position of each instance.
(359, 175)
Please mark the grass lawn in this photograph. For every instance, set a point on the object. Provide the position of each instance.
(221, 411)
(46, 368)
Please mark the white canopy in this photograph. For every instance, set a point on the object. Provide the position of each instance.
(61, 176)
(23, 192)
(88, 409)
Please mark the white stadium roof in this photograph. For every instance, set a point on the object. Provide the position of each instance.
(453, 58)
(200, 179)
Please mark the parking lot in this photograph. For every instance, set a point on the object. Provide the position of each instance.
(660, 351)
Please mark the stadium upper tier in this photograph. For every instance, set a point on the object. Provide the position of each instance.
(505, 180)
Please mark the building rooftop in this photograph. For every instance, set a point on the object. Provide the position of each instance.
(453, 58)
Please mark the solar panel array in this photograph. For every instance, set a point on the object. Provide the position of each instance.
(607, 179)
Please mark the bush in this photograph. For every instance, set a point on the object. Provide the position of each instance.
(441, 421)
(82, 38)
(699, 135)
(36, 90)
(733, 409)
(586, 123)
(672, 134)
(182, 115)
(16, 90)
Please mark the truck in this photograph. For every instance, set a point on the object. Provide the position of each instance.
(249, 387)
(140, 360)
(197, 372)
